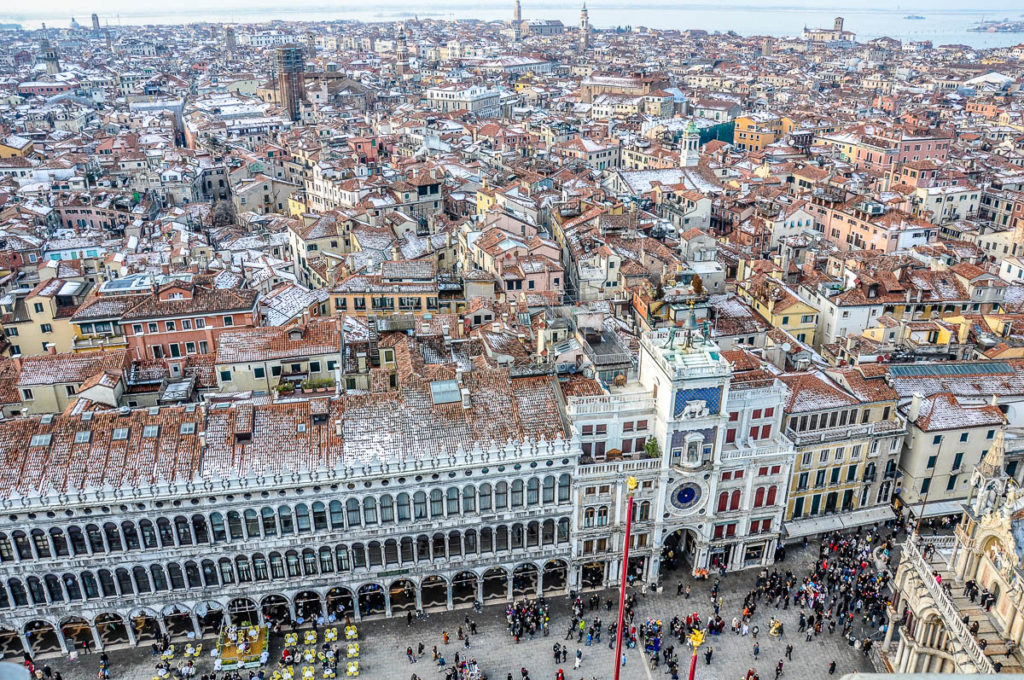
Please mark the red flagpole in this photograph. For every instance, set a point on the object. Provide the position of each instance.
(631, 485)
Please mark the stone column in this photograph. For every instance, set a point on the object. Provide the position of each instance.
(132, 640)
(540, 582)
(480, 589)
(387, 602)
(195, 624)
(448, 588)
(419, 596)
(61, 640)
(25, 643)
(97, 639)
(510, 595)
(161, 623)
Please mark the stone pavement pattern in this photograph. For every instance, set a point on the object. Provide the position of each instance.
(383, 642)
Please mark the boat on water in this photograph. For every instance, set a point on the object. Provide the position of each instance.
(915, 17)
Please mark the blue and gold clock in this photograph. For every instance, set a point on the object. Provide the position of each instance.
(686, 496)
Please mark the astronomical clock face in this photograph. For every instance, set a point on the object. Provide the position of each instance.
(686, 496)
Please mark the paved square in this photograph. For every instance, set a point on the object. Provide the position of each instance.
(383, 642)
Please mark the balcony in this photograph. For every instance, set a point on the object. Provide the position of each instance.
(740, 453)
(83, 343)
(876, 429)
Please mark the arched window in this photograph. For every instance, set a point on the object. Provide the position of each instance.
(422, 548)
(563, 488)
(408, 549)
(772, 493)
(174, 575)
(252, 524)
(404, 508)
(517, 493)
(183, 531)
(734, 504)
(485, 498)
(269, 526)
(358, 556)
(71, 583)
(532, 534)
(192, 575)
(243, 569)
(500, 496)
(453, 501)
(42, 543)
(309, 562)
(113, 537)
(131, 536)
(723, 501)
(326, 561)
(227, 574)
(319, 516)
(18, 593)
(235, 526)
(199, 529)
(141, 580)
(759, 497)
(291, 559)
(53, 588)
(501, 538)
(486, 540)
(89, 586)
(209, 574)
(124, 581)
(533, 492)
(77, 538)
(159, 579)
(276, 565)
(337, 516)
(548, 532)
(95, 540)
(454, 544)
(387, 509)
(438, 546)
(220, 533)
(588, 517)
(391, 551)
(369, 510)
(352, 510)
(436, 503)
(60, 544)
(602, 516)
(517, 536)
(645, 511)
(35, 589)
(469, 540)
(148, 534)
(302, 523)
(468, 499)
(548, 494)
(287, 524)
(341, 554)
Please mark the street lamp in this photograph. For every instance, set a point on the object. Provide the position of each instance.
(631, 485)
(696, 640)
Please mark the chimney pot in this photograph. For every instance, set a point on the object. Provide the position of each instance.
(915, 406)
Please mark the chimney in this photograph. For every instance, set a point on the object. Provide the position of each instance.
(466, 403)
(51, 348)
(17, 362)
(994, 401)
(914, 410)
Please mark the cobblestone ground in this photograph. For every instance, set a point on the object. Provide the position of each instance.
(383, 642)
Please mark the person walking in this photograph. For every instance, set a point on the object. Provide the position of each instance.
(707, 655)
(757, 650)
(579, 658)
(832, 668)
(778, 670)
(789, 652)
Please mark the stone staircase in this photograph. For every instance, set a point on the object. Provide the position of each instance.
(987, 627)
